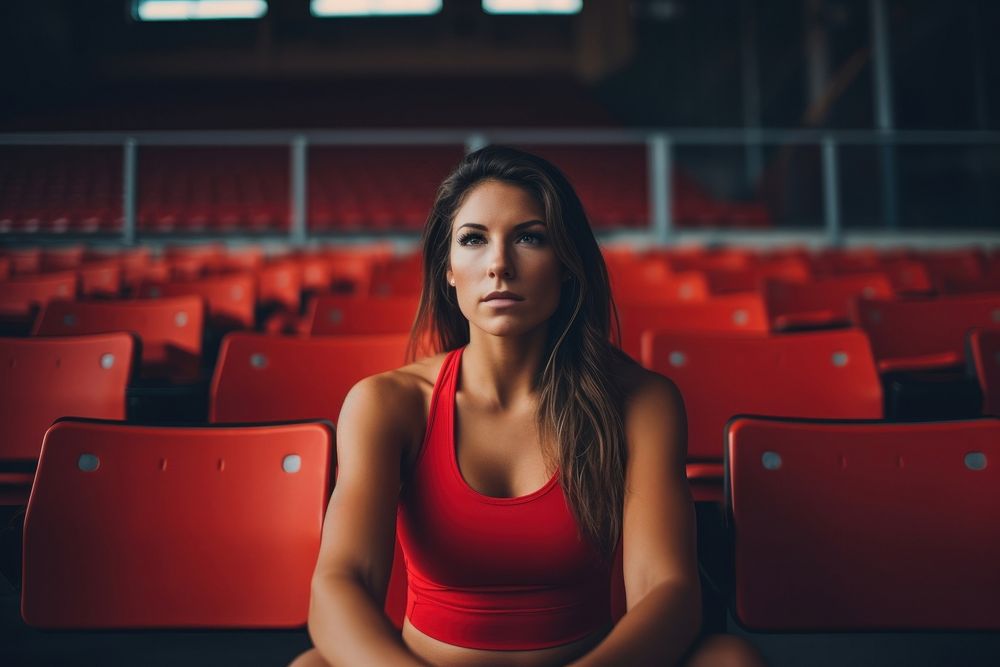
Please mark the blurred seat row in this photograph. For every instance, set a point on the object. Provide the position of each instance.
(246, 189)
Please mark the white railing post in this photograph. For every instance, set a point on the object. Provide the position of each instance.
(660, 167)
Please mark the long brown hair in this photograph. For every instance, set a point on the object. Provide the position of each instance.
(580, 403)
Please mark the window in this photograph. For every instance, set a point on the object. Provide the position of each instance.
(532, 6)
(333, 8)
(198, 10)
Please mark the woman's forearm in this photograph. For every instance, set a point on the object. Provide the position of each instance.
(348, 628)
(656, 631)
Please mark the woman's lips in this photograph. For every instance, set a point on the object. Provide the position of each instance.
(502, 302)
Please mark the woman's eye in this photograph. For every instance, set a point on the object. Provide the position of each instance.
(532, 238)
(471, 239)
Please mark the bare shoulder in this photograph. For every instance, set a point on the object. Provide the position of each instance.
(642, 388)
(402, 394)
(652, 404)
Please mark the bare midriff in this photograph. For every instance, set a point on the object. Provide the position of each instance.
(448, 655)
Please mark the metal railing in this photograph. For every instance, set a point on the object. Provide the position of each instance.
(660, 144)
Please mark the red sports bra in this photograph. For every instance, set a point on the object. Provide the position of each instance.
(492, 573)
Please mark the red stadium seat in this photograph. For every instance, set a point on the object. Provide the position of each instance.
(100, 278)
(823, 303)
(262, 378)
(400, 277)
(731, 313)
(821, 375)
(842, 526)
(352, 274)
(908, 276)
(984, 351)
(23, 260)
(697, 259)
(230, 299)
(316, 272)
(23, 296)
(65, 258)
(170, 329)
(48, 378)
(729, 281)
(921, 334)
(175, 527)
(280, 284)
(5, 269)
(951, 266)
(340, 315)
(652, 281)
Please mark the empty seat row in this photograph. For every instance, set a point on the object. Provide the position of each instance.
(219, 527)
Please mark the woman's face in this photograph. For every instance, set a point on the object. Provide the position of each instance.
(504, 271)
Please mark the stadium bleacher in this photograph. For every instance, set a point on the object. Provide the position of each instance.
(208, 235)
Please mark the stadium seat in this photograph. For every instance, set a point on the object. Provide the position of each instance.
(280, 285)
(4, 268)
(953, 266)
(23, 260)
(730, 281)
(44, 379)
(820, 304)
(230, 299)
(169, 329)
(730, 313)
(64, 258)
(842, 526)
(908, 276)
(23, 296)
(984, 353)
(652, 281)
(822, 375)
(174, 527)
(400, 277)
(264, 378)
(920, 334)
(100, 278)
(340, 315)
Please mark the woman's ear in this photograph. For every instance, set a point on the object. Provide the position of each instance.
(450, 276)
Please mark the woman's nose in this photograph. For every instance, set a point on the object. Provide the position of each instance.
(500, 263)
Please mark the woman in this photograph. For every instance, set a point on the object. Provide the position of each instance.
(515, 461)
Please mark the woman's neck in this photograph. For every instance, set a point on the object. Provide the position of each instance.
(500, 371)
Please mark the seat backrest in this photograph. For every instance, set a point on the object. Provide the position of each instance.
(822, 375)
(229, 299)
(923, 333)
(280, 283)
(865, 526)
(984, 350)
(731, 313)
(339, 315)
(100, 278)
(261, 378)
(44, 379)
(22, 294)
(156, 527)
(822, 303)
(651, 281)
(170, 330)
(23, 260)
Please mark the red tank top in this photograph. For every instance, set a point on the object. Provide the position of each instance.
(492, 573)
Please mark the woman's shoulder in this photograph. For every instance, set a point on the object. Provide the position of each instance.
(647, 395)
(405, 390)
(401, 387)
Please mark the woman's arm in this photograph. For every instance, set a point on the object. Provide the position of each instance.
(658, 541)
(346, 619)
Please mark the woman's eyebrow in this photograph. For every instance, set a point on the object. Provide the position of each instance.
(521, 225)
